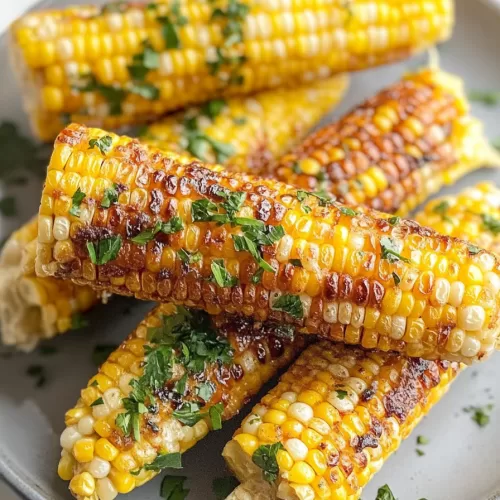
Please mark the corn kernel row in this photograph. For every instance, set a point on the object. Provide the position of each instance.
(279, 44)
(362, 279)
(396, 149)
(339, 413)
(97, 458)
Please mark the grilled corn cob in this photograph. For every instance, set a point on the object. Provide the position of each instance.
(33, 308)
(396, 149)
(332, 421)
(127, 62)
(247, 133)
(210, 239)
(160, 392)
(473, 215)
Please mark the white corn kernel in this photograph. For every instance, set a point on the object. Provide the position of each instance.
(303, 491)
(297, 449)
(319, 425)
(358, 385)
(330, 312)
(441, 291)
(261, 410)
(200, 429)
(285, 246)
(358, 316)
(471, 318)
(45, 234)
(492, 281)
(398, 327)
(187, 434)
(251, 424)
(345, 312)
(105, 489)
(69, 437)
(301, 412)
(113, 398)
(99, 468)
(86, 425)
(470, 347)
(100, 411)
(289, 396)
(124, 383)
(340, 401)
(338, 370)
(457, 291)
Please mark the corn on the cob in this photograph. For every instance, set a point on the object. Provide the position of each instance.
(247, 134)
(33, 308)
(396, 149)
(219, 241)
(128, 62)
(332, 421)
(473, 215)
(188, 371)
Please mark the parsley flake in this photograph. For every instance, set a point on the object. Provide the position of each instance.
(296, 263)
(491, 224)
(480, 415)
(223, 486)
(165, 461)
(419, 452)
(389, 251)
(105, 250)
(394, 221)
(341, 393)
(37, 372)
(290, 304)
(385, 493)
(265, 458)
(172, 488)
(104, 144)
(397, 278)
(442, 209)
(78, 320)
(101, 353)
(473, 249)
(110, 196)
(97, 402)
(76, 201)
(486, 97)
(348, 211)
(423, 440)
(189, 258)
(221, 275)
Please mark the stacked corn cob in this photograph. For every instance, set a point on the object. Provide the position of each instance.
(129, 63)
(339, 412)
(247, 134)
(331, 422)
(171, 382)
(227, 242)
(395, 150)
(32, 308)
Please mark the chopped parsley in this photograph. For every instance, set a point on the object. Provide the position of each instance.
(265, 458)
(221, 275)
(205, 391)
(172, 488)
(104, 144)
(290, 304)
(423, 440)
(385, 493)
(186, 339)
(212, 109)
(174, 225)
(394, 221)
(419, 452)
(165, 461)
(110, 196)
(491, 224)
(257, 276)
(47, 350)
(114, 96)
(76, 201)
(341, 393)
(389, 251)
(348, 211)
(105, 250)
(296, 263)
(442, 209)
(480, 415)
(8, 206)
(240, 120)
(170, 24)
(189, 258)
(199, 144)
(324, 200)
(486, 97)
(97, 402)
(101, 353)
(144, 62)
(223, 486)
(37, 372)
(397, 278)
(473, 249)
(78, 321)
(145, 90)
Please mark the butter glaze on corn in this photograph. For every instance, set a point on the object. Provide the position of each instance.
(272, 122)
(33, 308)
(464, 215)
(97, 458)
(282, 43)
(339, 413)
(395, 150)
(446, 296)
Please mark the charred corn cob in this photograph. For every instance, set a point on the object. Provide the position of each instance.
(128, 62)
(247, 134)
(171, 382)
(332, 421)
(206, 238)
(33, 308)
(473, 215)
(251, 131)
(396, 149)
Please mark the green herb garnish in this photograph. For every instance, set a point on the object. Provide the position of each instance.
(341, 393)
(389, 251)
(265, 458)
(76, 201)
(480, 415)
(144, 62)
(223, 486)
(189, 258)
(78, 320)
(221, 275)
(442, 209)
(104, 144)
(348, 211)
(97, 402)
(101, 353)
(394, 221)
(110, 196)
(385, 493)
(486, 97)
(165, 461)
(37, 372)
(491, 224)
(396, 277)
(290, 304)
(172, 488)
(296, 263)
(423, 440)
(104, 250)
(473, 249)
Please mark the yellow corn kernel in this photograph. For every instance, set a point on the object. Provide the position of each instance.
(309, 397)
(247, 442)
(65, 467)
(82, 485)
(292, 429)
(327, 412)
(316, 459)
(285, 461)
(103, 429)
(105, 450)
(301, 473)
(267, 433)
(274, 417)
(122, 481)
(311, 438)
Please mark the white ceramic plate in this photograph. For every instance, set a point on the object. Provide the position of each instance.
(460, 463)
